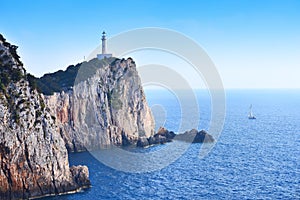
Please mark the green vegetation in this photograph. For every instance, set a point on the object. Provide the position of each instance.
(64, 80)
(7, 72)
(116, 104)
(114, 99)
(12, 50)
(32, 81)
(38, 113)
(42, 103)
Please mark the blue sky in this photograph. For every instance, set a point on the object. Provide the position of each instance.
(254, 44)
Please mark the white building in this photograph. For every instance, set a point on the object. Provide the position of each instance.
(104, 54)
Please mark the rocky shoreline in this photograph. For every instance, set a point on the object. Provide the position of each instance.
(79, 189)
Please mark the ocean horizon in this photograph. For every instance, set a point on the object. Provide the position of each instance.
(251, 159)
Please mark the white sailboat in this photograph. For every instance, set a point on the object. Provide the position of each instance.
(251, 116)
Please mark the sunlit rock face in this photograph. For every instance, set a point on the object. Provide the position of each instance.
(107, 108)
(33, 157)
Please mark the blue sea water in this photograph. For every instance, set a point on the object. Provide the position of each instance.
(252, 159)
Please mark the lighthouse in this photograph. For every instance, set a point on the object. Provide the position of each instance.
(104, 54)
(103, 42)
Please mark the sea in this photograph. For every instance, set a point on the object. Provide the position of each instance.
(250, 159)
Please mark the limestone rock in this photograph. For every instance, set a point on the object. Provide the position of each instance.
(107, 108)
(80, 175)
(33, 157)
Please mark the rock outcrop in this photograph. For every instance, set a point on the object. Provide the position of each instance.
(163, 136)
(33, 157)
(195, 136)
(103, 108)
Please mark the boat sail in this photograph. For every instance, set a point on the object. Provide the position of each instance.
(251, 116)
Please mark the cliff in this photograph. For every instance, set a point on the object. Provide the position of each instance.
(33, 157)
(106, 105)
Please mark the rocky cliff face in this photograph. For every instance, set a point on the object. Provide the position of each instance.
(107, 108)
(33, 157)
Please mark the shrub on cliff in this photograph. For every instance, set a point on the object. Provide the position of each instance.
(64, 80)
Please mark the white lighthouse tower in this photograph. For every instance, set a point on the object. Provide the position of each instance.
(103, 42)
(104, 54)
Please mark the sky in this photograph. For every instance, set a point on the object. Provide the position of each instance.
(253, 44)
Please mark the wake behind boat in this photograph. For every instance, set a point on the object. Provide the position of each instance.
(251, 116)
